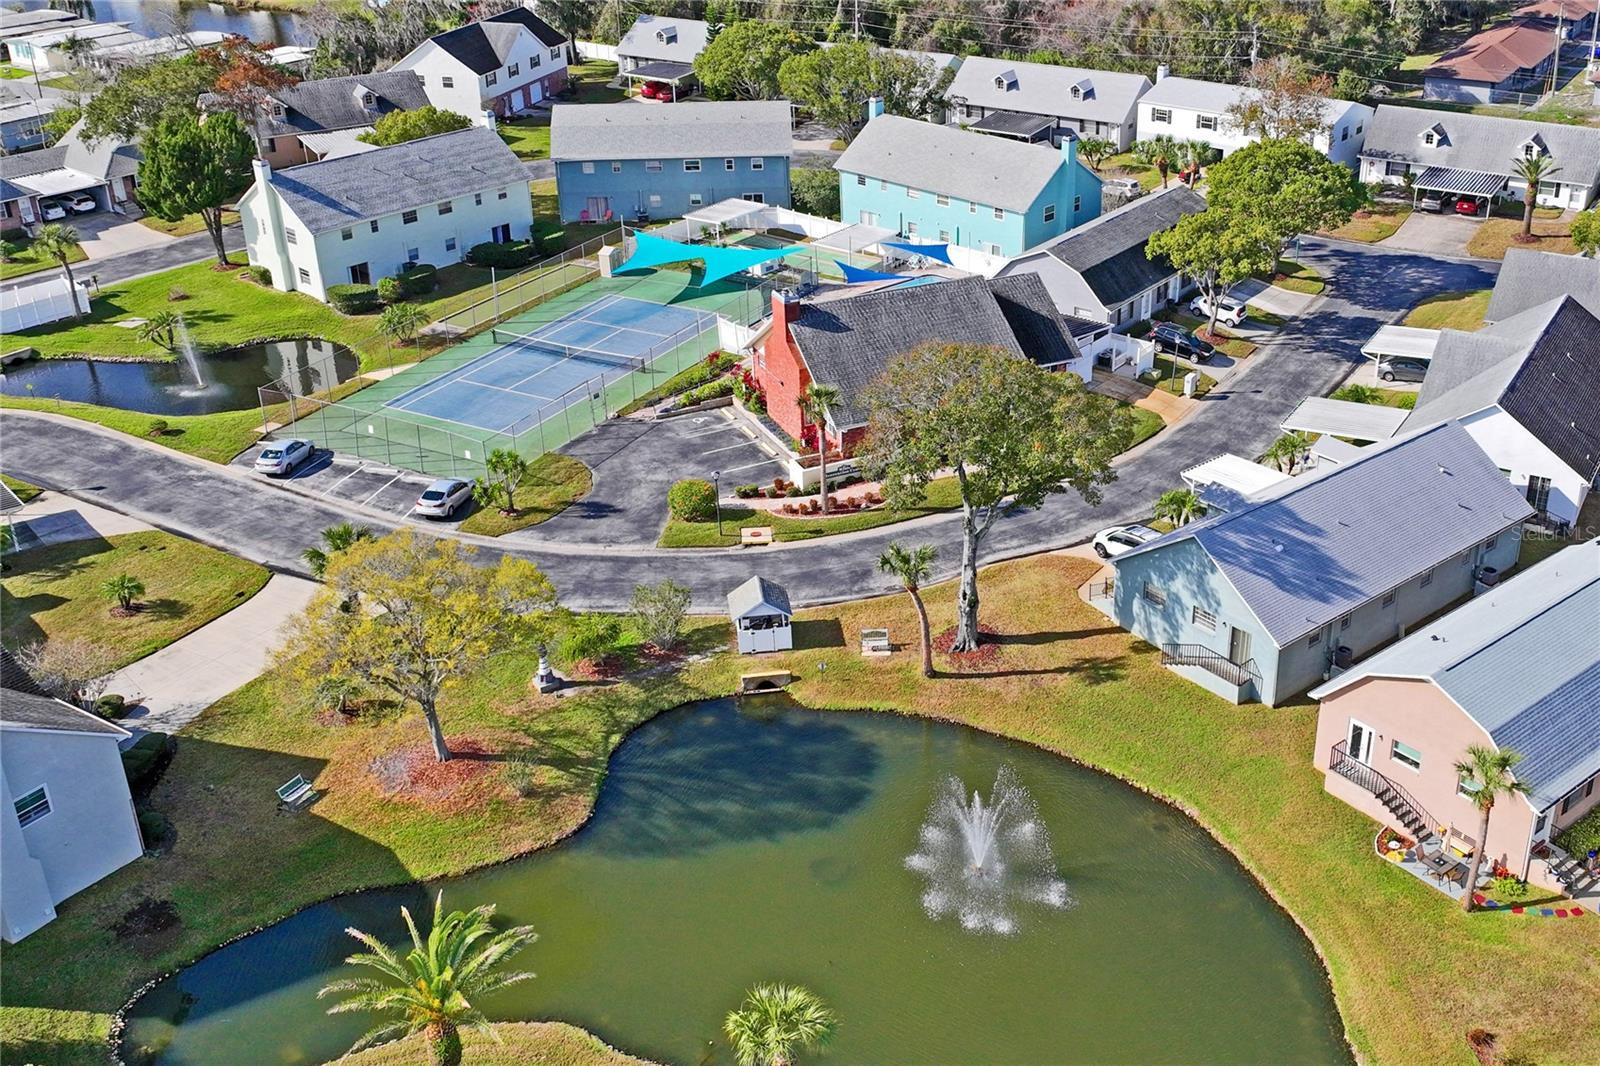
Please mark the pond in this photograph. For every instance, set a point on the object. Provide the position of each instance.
(154, 18)
(740, 842)
(211, 382)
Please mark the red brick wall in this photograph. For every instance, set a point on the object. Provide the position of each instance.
(781, 371)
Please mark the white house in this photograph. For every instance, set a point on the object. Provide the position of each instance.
(761, 614)
(48, 51)
(358, 218)
(68, 819)
(1188, 109)
(1090, 103)
(506, 63)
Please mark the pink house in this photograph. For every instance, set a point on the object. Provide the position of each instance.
(1518, 667)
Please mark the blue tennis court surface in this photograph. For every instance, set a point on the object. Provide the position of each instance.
(512, 382)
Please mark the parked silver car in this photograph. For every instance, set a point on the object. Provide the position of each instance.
(282, 457)
(443, 498)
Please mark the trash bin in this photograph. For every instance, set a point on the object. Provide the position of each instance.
(1191, 382)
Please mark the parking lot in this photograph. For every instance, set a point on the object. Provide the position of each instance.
(365, 483)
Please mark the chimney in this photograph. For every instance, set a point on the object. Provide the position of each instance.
(1069, 149)
(874, 107)
(491, 120)
(1162, 71)
(785, 308)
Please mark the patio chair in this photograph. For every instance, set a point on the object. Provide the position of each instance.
(583, 216)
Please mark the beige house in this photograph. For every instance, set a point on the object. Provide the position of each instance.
(1517, 667)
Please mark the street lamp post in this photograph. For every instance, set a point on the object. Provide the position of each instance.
(716, 491)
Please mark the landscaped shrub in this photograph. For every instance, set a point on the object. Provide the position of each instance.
(591, 638)
(501, 256)
(522, 774)
(353, 299)
(261, 276)
(9, 250)
(749, 393)
(711, 390)
(156, 828)
(1582, 836)
(111, 705)
(419, 279)
(1407, 401)
(144, 762)
(659, 610)
(692, 500)
(156, 427)
(747, 492)
(390, 290)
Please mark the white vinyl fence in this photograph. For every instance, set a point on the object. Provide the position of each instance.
(42, 302)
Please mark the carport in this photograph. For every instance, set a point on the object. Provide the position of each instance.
(1400, 342)
(733, 213)
(674, 74)
(1478, 184)
(65, 180)
(1342, 418)
(1016, 124)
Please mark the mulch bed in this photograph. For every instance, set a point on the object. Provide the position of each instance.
(120, 611)
(987, 654)
(458, 785)
(149, 926)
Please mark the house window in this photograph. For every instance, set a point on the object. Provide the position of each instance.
(449, 244)
(446, 207)
(477, 199)
(1428, 138)
(754, 197)
(1469, 789)
(883, 186)
(501, 195)
(1161, 114)
(1314, 639)
(347, 234)
(534, 62)
(1406, 754)
(1529, 151)
(1489, 544)
(1153, 595)
(1204, 619)
(1049, 212)
(913, 194)
(944, 235)
(1077, 204)
(305, 276)
(757, 163)
(728, 165)
(1388, 601)
(941, 199)
(491, 77)
(588, 167)
(1359, 126)
(1427, 577)
(374, 225)
(972, 207)
(652, 166)
(1000, 212)
(1573, 798)
(911, 229)
(655, 199)
(1344, 133)
(861, 179)
(1205, 122)
(696, 199)
(994, 249)
(1344, 623)
(33, 806)
(691, 166)
(407, 217)
(413, 255)
(289, 235)
(272, 142)
(555, 53)
(616, 166)
(513, 70)
(447, 82)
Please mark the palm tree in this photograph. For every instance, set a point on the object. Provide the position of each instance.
(161, 327)
(124, 589)
(402, 321)
(432, 987)
(814, 401)
(1288, 451)
(1486, 775)
(776, 1023)
(1159, 152)
(912, 566)
(1179, 506)
(57, 240)
(1532, 170)
(335, 539)
(1095, 150)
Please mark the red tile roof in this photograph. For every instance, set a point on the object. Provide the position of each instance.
(1496, 53)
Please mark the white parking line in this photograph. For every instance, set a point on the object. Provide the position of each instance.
(726, 448)
(329, 490)
(385, 485)
(749, 466)
(708, 432)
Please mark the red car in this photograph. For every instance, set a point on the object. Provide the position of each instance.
(657, 90)
(1467, 207)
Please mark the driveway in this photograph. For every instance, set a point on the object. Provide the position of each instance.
(150, 259)
(1444, 234)
(172, 686)
(1367, 287)
(105, 234)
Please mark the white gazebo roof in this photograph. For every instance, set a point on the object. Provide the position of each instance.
(1341, 418)
(1402, 342)
(757, 597)
(724, 212)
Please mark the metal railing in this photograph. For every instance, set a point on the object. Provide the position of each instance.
(1102, 590)
(1402, 804)
(1211, 661)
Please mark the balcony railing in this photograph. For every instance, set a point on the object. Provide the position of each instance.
(1240, 674)
(1400, 803)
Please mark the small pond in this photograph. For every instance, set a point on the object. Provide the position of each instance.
(738, 842)
(212, 382)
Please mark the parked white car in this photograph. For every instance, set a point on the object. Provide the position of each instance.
(1230, 311)
(51, 210)
(81, 202)
(443, 498)
(281, 457)
(1110, 543)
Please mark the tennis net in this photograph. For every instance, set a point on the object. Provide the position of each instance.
(526, 342)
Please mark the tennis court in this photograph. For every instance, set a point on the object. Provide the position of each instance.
(508, 385)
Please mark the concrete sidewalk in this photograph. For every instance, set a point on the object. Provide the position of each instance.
(53, 518)
(175, 684)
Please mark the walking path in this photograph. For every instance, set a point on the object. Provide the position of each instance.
(52, 518)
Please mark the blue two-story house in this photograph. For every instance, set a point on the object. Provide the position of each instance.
(664, 160)
(1267, 599)
(938, 183)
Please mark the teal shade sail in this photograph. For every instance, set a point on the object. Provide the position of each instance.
(650, 251)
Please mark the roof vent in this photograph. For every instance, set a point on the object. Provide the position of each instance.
(1444, 470)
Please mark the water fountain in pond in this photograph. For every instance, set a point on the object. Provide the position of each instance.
(180, 333)
(984, 860)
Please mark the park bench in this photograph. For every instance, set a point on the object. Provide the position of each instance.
(294, 793)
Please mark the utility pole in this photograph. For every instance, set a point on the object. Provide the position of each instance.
(1555, 71)
(1255, 46)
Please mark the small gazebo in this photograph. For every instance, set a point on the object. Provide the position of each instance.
(761, 615)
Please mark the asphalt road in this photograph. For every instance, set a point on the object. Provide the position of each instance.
(230, 508)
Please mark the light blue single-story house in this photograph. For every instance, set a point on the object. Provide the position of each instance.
(942, 184)
(1267, 599)
(631, 159)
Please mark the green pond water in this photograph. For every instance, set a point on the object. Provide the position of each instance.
(740, 842)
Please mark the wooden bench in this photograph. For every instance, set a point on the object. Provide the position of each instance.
(755, 536)
(294, 793)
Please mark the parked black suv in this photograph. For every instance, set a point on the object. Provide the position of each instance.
(1176, 341)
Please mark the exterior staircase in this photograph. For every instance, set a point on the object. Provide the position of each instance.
(1407, 812)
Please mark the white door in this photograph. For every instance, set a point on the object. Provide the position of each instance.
(869, 218)
(1144, 305)
(1359, 743)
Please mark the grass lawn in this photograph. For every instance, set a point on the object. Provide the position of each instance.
(529, 138)
(553, 234)
(519, 1044)
(1146, 424)
(221, 309)
(1450, 310)
(1066, 680)
(1167, 375)
(1495, 235)
(29, 261)
(943, 495)
(54, 592)
(590, 78)
(1372, 223)
(13, 72)
(1125, 165)
(186, 225)
(554, 483)
(1296, 277)
(20, 489)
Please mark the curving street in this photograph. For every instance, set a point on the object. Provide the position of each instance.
(230, 508)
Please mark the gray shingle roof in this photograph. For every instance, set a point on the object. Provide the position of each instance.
(687, 38)
(1479, 142)
(1528, 278)
(335, 103)
(1542, 367)
(1523, 660)
(337, 192)
(641, 131)
(1046, 89)
(847, 342)
(25, 710)
(491, 43)
(989, 170)
(757, 593)
(1308, 553)
(1109, 251)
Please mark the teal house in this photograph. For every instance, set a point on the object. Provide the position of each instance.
(941, 184)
